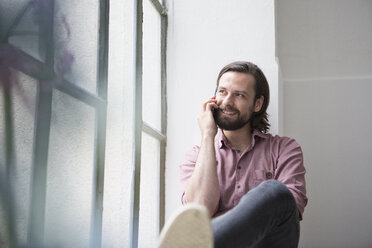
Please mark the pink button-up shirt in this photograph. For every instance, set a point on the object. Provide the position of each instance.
(268, 157)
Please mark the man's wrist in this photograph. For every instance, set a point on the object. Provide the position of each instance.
(208, 137)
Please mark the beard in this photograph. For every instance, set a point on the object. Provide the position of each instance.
(230, 123)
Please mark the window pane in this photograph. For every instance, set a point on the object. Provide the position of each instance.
(70, 173)
(23, 105)
(8, 11)
(149, 200)
(151, 66)
(75, 36)
(76, 33)
(25, 35)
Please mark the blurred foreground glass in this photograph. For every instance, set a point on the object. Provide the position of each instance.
(69, 175)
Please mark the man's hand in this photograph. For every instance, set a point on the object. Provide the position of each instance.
(206, 120)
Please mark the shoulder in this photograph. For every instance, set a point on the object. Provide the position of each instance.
(278, 140)
(284, 141)
(280, 144)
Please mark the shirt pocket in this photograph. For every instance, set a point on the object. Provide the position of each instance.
(261, 175)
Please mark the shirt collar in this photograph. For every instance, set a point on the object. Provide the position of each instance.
(260, 134)
(222, 141)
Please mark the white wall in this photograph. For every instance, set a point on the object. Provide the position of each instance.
(325, 53)
(203, 36)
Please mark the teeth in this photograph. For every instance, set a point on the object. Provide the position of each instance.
(227, 112)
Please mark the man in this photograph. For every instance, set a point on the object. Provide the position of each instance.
(252, 183)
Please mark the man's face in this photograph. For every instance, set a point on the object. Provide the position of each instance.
(236, 100)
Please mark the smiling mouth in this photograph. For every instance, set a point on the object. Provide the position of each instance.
(228, 112)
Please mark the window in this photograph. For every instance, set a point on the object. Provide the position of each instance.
(148, 181)
(65, 132)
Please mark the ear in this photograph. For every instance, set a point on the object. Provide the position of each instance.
(258, 104)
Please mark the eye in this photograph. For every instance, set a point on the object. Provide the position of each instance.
(221, 91)
(239, 95)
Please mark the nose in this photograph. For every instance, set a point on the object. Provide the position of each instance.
(227, 100)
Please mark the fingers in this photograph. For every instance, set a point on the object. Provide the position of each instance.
(206, 121)
(211, 103)
(210, 106)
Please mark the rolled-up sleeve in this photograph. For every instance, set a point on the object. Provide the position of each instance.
(290, 171)
(186, 169)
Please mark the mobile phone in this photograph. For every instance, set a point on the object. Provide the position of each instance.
(214, 111)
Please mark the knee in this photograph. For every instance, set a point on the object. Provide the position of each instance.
(278, 191)
(274, 185)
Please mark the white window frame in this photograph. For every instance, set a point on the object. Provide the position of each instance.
(141, 126)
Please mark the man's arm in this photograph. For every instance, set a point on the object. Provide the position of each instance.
(291, 171)
(203, 186)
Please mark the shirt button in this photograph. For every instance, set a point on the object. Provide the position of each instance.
(238, 186)
(239, 167)
(269, 175)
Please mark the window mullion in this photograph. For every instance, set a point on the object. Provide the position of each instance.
(159, 7)
(153, 132)
(41, 135)
(164, 27)
(83, 95)
(100, 127)
(136, 175)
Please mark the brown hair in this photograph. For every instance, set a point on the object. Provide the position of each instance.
(259, 119)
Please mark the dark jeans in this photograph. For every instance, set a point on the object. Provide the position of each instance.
(266, 216)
